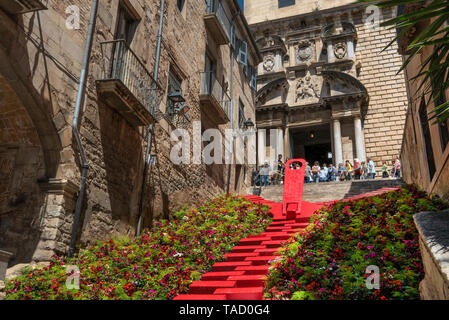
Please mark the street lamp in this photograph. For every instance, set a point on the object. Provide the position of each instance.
(176, 97)
(249, 125)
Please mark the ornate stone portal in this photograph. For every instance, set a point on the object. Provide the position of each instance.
(314, 99)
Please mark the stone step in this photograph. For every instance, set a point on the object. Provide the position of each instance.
(230, 266)
(253, 270)
(209, 287)
(260, 260)
(201, 297)
(239, 256)
(242, 249)
(220, 276)
(269, 252)
(248, 280)
(255, 241)
(255, 293)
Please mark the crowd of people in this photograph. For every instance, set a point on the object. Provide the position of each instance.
(272, 175)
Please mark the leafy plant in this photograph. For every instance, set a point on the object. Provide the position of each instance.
(434, 38)
(159, 264)
(329, 259)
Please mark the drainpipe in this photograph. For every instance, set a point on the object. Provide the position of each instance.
(79, 100)
(150, 128)
(231, 147)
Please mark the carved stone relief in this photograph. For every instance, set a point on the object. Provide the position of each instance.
(307, 88)
(269, 63)
(340, 50)
(304, 52)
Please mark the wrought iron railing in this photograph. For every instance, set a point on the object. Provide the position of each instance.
(210, 86)
(215, 6)
(121, 63)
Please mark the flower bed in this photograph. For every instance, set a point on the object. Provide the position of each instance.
(330, 259)
(160, 264)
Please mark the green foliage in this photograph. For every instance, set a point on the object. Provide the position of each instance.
(432, 36)
(329, 260)
(160, 264)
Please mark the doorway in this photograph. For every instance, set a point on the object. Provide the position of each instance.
(318, 152)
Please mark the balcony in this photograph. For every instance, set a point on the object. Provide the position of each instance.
(21, 6)
(217, 22)
(214, 100)
(126, 85)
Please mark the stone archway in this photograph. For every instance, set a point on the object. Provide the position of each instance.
(32, 205)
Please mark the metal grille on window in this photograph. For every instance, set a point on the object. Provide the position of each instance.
(241, 115)
(174, 85)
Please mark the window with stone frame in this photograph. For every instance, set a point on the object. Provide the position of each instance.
(241, 115)
(424, 121)
(285, 3)
(174, 85)
(443, 127)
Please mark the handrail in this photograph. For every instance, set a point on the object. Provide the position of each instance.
(121, 63)
(211, 86)
(132, 52)
(215, 7)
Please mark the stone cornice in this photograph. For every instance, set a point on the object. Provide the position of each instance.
(60, 187)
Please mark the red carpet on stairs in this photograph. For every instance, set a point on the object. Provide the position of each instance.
(241, 276)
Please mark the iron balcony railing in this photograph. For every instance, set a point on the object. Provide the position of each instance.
(121, 63)
(215, 7)
(211, 87)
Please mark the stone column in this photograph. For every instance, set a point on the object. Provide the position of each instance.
(261, 146)
(57, 218)
(287, 147)
(359, 139)
(280, 143)
(337, 142)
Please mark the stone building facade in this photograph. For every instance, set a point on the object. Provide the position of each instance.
(425, 159)
(425, 152)
(41, 60)
(325, 84)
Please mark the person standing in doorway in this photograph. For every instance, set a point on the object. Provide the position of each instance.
(332, 173)
(316, 171)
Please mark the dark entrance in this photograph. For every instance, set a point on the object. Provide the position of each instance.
(312, 144)
(318, 152)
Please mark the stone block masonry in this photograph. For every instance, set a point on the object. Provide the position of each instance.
(385, 120)
(39, 74)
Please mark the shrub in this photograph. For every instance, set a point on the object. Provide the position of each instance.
(330, 259)
(160, 264)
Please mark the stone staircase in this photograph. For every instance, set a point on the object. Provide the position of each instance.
(331, 191)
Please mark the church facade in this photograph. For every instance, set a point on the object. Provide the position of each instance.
(325, 83)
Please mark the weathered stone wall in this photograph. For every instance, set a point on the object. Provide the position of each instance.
(414, 153)
(384, 123)
(41, 63)
(264, 10)
(432, 227)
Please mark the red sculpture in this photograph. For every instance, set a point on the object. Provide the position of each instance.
(293, 187)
